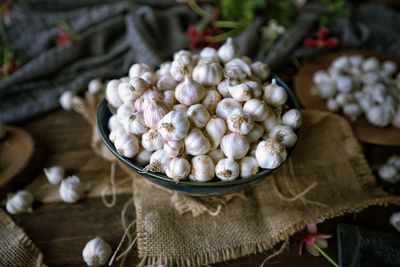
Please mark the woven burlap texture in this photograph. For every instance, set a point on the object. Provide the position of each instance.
(325, 177)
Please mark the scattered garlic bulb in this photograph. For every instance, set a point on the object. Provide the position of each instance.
(275, 94)
(174, 126)
(270, 154)
(127, 145)
(211, 100)
(248, 167)
(189, 92)
(215, 129)
(216, 155)
(152, 140)
(138, 69)
(181, 67)
(227, 170)
(96, 252)
(54, 174)
(95, 86)
(66, 100)
(235, 146)
(159, 162)
(202, 169)
(255, 134)
(153, 113)
(178, 169)
(174, 149)
(292, 118)
(198, 115)
(258, 109)
(389, 173)
(240, 122)
(228, 51)
(261, 70)
(284, 135)
(209, 53)
(226, 106)
(196, 143)
(208, 74)
(143, 157)
(71, 189)
(166, 82)
(112, 95)
(19, 202)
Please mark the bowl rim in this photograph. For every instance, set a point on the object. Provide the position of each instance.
(214, 182)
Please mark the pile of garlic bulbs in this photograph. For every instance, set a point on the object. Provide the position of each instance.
(202, 116)
(358, 85)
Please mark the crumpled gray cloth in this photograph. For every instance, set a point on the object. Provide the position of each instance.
(115, 34)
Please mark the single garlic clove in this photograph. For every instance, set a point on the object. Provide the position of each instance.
(71, 189)
(54, 174)
(19, 202)
(96, 252)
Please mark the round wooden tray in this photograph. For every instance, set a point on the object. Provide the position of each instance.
(365, 132)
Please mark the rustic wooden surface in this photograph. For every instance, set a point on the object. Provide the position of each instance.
(61, 230)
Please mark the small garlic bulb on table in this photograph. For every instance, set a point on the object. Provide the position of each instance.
(54, 174)
(19, 202)
(71, 189)
(96, 252)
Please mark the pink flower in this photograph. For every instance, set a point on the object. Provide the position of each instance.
(312, 238)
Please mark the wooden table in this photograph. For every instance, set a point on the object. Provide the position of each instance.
(61, 230)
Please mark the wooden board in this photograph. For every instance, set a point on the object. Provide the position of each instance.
(364, 131)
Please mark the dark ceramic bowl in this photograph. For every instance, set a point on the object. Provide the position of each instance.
(214, 187)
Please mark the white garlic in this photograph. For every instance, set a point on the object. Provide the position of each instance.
(152, 140)
(181, 108)
(19, 202)
(71, 189)
(395, 220)
(178, 169)
(95, 86)
(202, 169)
(127, 145)
(159, 162)
(389, 173)
(96, 252)
(226, 106)
(344, 84)
(115, 133)
(370, 64)
(261, 70)
(181, 67)
(174, 149)
(166, 82)
(270, 154)
(252, 149)
(234, 146)
(378, 116)
(292, 118)
(139, 104)
(182, 53)
(228, 51)
(326, 90)
(240, 122)
(113, 123)
(388, 68)
(153, 113)
(321, 77)
(332, 105)
(54, 174)
(135, 124)
(138, 86)
(237, 69)
(189, 92)
(241, 92)
(352, 111)
(215, 129)
(164, 69)
(208, 74)
(248, 167)
(284, 135)
(66, 100)
(150, 77)
(343, 99)
(198, 115)
(126, 94)
(257, 109)
(209, 53)
(151, 97)
(356, 60)
(370, 78)
(396, 119)
(174, 126)
(395, 161)
(223, 87)
(125, 111)
(227, 170)
(169, 98)
(255, 133)
(341, 63)
(136, 70)
(112, 95)
(271, 122)
(143, 157)
(196, 143)
(210, 101)
(275, 94)
(255, 88)
(216, 155)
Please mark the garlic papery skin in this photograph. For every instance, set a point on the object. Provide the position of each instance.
(389, 173)
(54, 174)
(135, 124)
(169, 98)
(19, 202)
(181, 67)
(275, 94)
(126, 94)
(234, 146)
(178, 169)
(114, 134)
(228, 51)
(138, 86)
(113, 123)
(164, 69)
(66, 100)
(215, 129)
(143, 157)
(255, 134)
(127, 145)
(223, 87)
(159, 162)
(237, 69)
(226, 106)
(208, 74)
(196, 143)
(240, 122)
(112, 95)
(96, 252)
(95, 86)
(270, 154)
(174, 126)
(258, 109)
(150, 77)
(181, 108)
(198, 115)
(240, 92)
(211, 100)
(255, 88)
(321, 77)
(271, 122)
(152, 140)
(227, 170)
(139, 104)
(216, 155)
(189, 92)
(174, 149)
(209, 53)
(202, 169)
(153, 113)
(260, 69)
(248, 167)
(166, 82)
(292, 118)
(125, 111)
(71, 189)
(284, 135)
(136, 70)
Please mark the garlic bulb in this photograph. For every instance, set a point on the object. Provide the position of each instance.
(66, 100)
(284, 135)
(178, 169)
(202, 169)
(112, 95)
(344, 84)
(136, 70)
(169, 98)
(198, 115)
(138, 86)
(389, 173)
(240, 92)
(54, 174)
(196, 143)
(164, 69)
(71, 189)
(153, 113)
(96, 252)
(226, 106)
(166, 82)
(258, 109)
(216, 155)
(174, 149)
(209, 53)
(115, 133)
(139, 104)
(135, 124)
(159, 162)
(210, 101)
(150, 77)
(356, 60)
(325, 90)
(227, 170)
(127, 145)
(208, 74)
(215, 129)
(183, 53)
(321, 77)
(388, 68)
(395, 220)
(126, 94)
(255, 134)
(352, 111)
(271, 122)
(240, 122)
(181, 108)
(378, 116)
(113, 123)
(292, 118)
(237, 69)
(261, 70)
(252, 149)
(181, 67)
(19, 202)
(223, 87)
(174, 126)
(275, 94)
(95, 86)
(270, 154)
(255, 88)
(143, 157)
(332, 105)
(235, 146)
(152, 140)
(248, 167)
(228, 51)
(189, 92)
(125, 111)
(370, 64)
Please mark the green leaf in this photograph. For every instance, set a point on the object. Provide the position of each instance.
(240, 10)
(282, 11)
